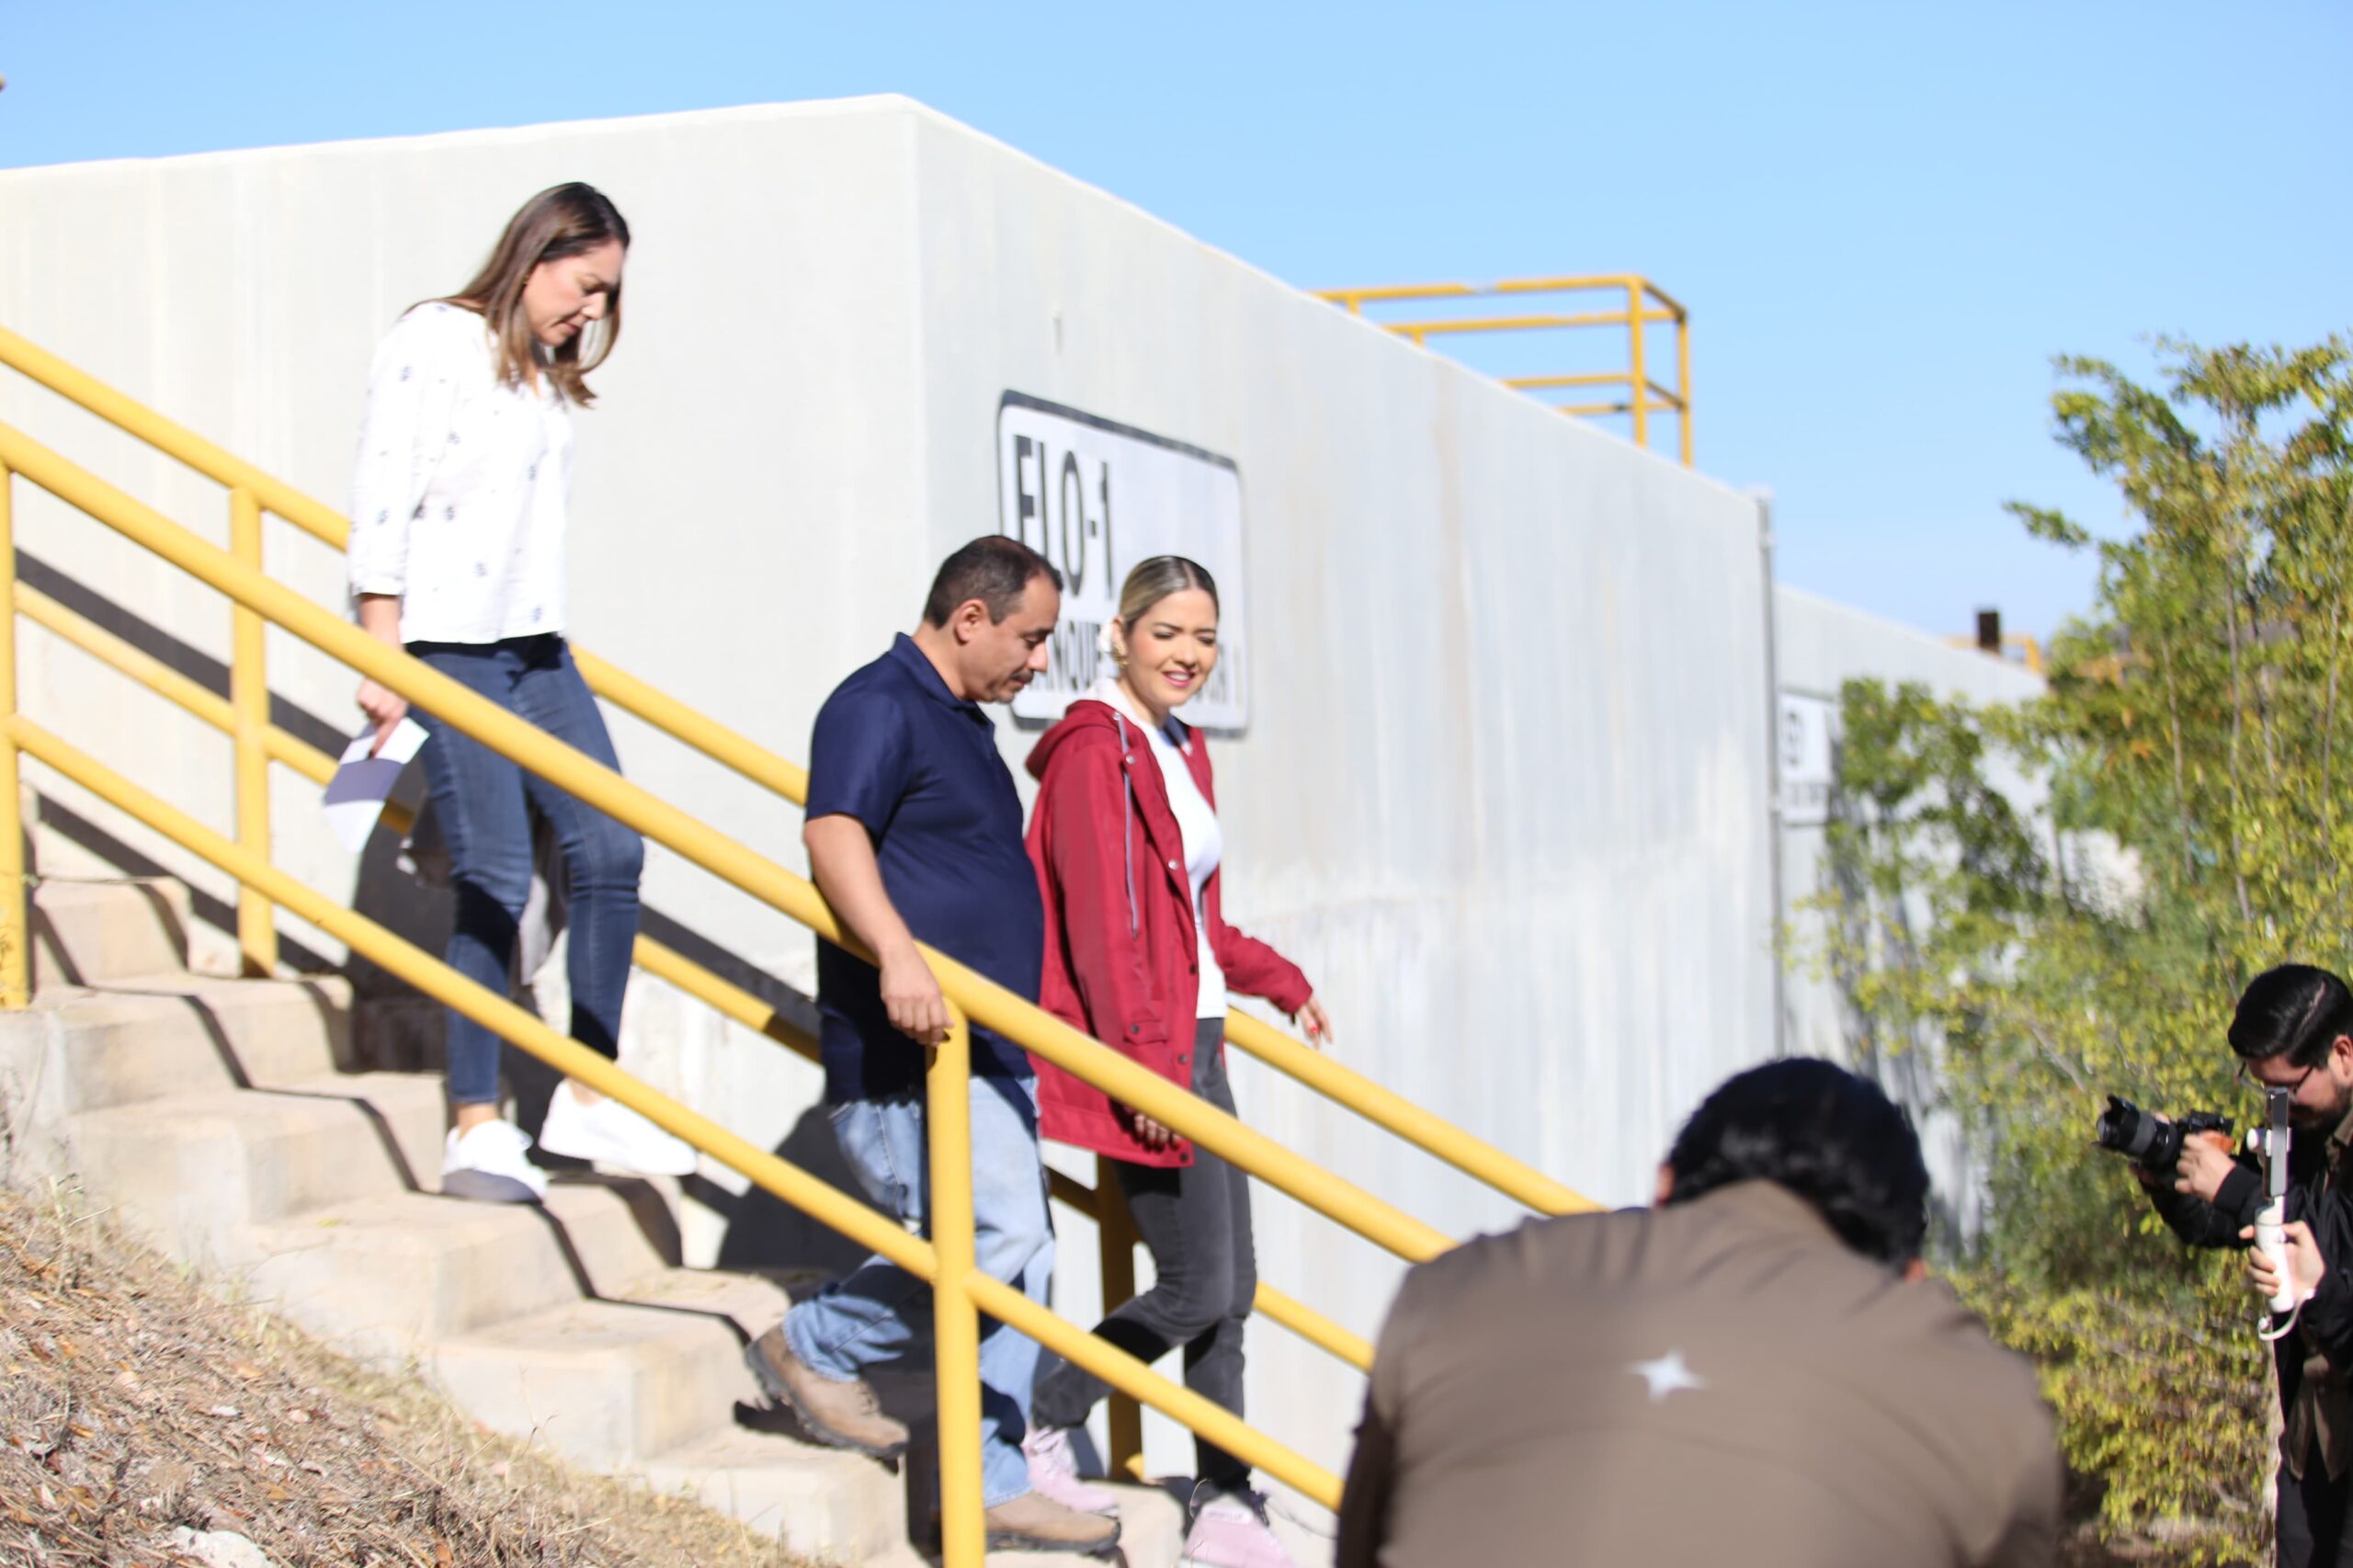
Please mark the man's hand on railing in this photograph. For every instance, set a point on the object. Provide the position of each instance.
(911, 996)
(1311, 1019)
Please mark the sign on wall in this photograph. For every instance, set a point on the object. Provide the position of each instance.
(1808, 760)
(1095, 498)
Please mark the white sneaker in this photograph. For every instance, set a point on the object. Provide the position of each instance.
(485, 1164)
(609, 1133)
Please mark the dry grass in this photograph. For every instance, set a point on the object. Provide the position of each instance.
(133, 1402)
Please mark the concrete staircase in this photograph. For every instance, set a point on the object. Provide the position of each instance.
(223, 1120)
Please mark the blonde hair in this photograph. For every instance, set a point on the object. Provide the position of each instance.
(562, 220)
(1154, 580)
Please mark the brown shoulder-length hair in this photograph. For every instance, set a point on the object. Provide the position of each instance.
(562, 220)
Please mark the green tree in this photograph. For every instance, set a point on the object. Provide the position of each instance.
(2194, 745)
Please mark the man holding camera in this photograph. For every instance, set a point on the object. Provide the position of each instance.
(2293, 1031)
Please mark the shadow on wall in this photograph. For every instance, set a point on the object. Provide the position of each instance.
(393, 1028)
(765, 1233)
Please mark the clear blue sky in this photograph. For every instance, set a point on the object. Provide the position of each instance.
(1884, 217)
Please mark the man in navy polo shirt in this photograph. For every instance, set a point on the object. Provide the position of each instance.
(915, 834)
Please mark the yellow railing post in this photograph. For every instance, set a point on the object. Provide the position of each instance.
(1683, 379)
(249, 703)
(955, 1324)
(1115, 1238)
(15, 930)
(1637, 374)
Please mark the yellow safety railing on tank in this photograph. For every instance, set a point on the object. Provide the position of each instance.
(1645, 306)
(258, 600)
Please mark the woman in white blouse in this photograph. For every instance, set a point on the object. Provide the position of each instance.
(457, 554)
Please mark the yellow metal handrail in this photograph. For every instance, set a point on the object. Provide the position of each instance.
(257, 741)
(960, 1289)
(1645, 304)
(729, 999)
(809, 1193)
(1104, 1204)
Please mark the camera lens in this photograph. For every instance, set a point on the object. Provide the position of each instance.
(2153, 1141)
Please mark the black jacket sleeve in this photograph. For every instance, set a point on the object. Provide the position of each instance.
(2215, 1224)
(2326, 1322)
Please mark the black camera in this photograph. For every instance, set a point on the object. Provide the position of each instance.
(2152, 1141)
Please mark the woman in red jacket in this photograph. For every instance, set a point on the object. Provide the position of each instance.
(1126, 842)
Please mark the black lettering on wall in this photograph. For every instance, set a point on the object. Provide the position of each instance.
(1025, 499)
(1109, 570)
(1073, 504)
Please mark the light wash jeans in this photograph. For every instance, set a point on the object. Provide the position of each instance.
(882, 1314)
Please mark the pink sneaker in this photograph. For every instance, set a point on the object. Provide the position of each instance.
(1231, 1531)
(1053, 1473)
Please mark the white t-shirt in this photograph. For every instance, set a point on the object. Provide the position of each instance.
(458, 498)
(1204, 841)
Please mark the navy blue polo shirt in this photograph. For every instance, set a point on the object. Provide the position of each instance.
(919, 766)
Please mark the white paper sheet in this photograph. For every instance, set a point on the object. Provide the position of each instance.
(357, 793)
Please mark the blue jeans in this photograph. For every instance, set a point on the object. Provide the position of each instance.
(881, 1312)
(484, 803)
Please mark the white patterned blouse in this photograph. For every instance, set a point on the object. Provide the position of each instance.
(458, 500)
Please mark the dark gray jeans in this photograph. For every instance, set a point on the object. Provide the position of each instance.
(1196, 1219)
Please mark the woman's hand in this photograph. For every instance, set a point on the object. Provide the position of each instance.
(1148, 1132)
(2304, 1263)
(1310, 1018)
(385, 708)
(380, 617)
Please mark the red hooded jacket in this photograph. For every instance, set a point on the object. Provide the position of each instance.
(1122, 962)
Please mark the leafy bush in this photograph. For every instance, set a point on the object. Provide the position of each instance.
(2193, 749)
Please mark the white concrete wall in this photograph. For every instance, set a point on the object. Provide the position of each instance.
(1504, 794)
(1820, 647)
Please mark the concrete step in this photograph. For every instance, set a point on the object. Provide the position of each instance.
(754, 1304)
(823, 1504)
(197, 1173)
(605, 1384)
(839, 1507)
(383, 1276)
(218, 1118)
(153, 1037)
(91, 933)
(1152, 1534)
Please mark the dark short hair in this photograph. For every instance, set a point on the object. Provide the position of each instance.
(2295, 1010)
(1831, 1138)
(992, 569)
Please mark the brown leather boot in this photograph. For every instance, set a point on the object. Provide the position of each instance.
(1031, 1523)
(844, 1414)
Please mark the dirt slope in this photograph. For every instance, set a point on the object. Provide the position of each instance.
(135, 1405)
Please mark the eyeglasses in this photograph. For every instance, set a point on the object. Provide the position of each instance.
(2252, 1082)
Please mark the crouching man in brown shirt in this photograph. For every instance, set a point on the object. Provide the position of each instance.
(1753, 1372)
